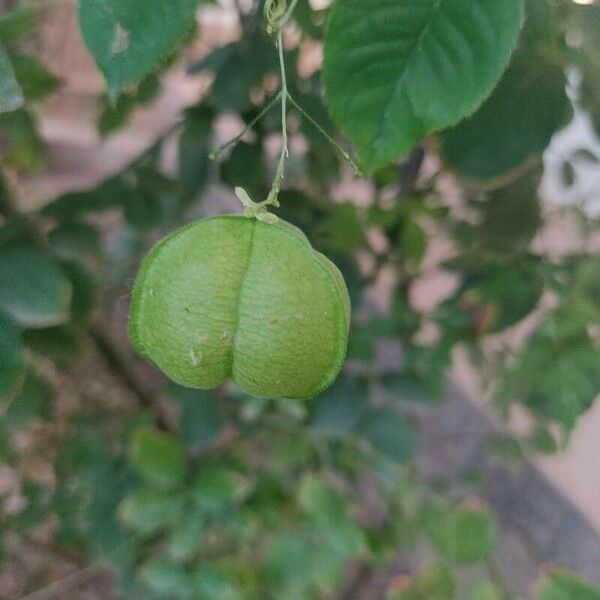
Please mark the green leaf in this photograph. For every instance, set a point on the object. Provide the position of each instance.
(389, 433)
(514, 125)
(497, 298)
(213, 583)
(111, 193)
(75, 241)
(511, 217)
(245, 168)
(486, 591)
(33, 291)
(142, 209)
(59, 344)
(115, 115)
(586, 22)
(318, 501)
(34, 401)
(215, 489)
(342, 232)
(562, 585)
(16, 23)
(10, 355)
(11, 95)
(166, 578)
(340, 408)
(214, 60)
(337, 536)
(413, 241)
(186, 537)
(149, 510)
(35, 80)
(239, 68)
(542, 440)
(465, 534)
(158, 457)
(396, 71)
(430, 583)
(84, 293)
(556, 373)
(14, 230)
(200, 422)
(22, 146)
(194, 150)
(406, 388)
(129, 37)
(540, 23)
(83, 302)
(290, 561)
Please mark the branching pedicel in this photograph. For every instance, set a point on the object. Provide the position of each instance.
(277, 14)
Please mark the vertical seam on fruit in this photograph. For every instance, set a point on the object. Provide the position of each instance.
(239, 297)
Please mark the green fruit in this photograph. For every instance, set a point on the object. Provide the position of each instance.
(237, 297)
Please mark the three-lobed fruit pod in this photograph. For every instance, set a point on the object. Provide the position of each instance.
(235, 297)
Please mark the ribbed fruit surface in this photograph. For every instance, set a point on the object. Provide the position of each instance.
(235, 297)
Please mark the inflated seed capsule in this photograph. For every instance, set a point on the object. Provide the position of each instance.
(236, 297)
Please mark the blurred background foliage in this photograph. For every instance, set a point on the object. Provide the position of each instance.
(220, 496)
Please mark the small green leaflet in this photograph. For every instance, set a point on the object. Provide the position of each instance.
(397, 70)
(128, 37)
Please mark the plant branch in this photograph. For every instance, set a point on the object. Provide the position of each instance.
(351, 162)
(280, 173)
(237, 138)
(120, 368)
(496, 576)
(59, 588)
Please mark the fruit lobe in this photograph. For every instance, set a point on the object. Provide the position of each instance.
(235, 297)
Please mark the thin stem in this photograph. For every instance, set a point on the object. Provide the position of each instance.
(496, 576)
(280, 173)
(277, 15)
(246, 129)
(355, 168)
(59, 588)
(288, 14)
